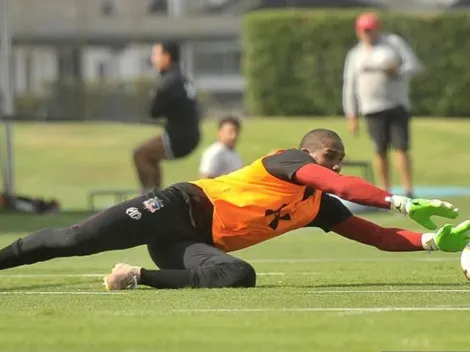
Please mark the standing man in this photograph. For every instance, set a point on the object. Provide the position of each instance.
(376, 75)
(221, 158)
(175, 100)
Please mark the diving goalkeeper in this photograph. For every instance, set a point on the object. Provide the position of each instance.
(190, 228)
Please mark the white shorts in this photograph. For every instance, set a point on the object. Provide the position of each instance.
(167, 146)
(179, 146)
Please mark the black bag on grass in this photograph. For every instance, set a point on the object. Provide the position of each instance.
(28, 205)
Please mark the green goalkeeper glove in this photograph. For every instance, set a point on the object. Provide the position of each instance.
(421, 210)
(448, 238)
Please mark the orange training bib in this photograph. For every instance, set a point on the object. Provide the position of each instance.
(252, 206)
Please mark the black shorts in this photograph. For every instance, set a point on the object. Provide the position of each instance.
(158, 217)
(179, 146)
(389, 128)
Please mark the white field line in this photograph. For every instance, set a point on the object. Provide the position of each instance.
(347, 260)
(25, 276)
(344, 310)
(61, 293)
(274, 260)
(28, 276)
(340, 311)
(319, 292)
(390, 291)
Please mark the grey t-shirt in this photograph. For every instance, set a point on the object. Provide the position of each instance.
(366, 87)
(218, 160)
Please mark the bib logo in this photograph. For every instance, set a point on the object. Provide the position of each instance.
(277, 217)
(153, 204)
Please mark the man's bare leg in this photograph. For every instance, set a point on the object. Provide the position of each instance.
(404, 167)
(382, 165)
(147, 158)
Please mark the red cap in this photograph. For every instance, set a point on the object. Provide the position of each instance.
(367, 21)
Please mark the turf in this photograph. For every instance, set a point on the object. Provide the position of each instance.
(316, 291)
(67, 161)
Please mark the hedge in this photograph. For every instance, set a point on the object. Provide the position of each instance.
(294, 59)
(73, 100)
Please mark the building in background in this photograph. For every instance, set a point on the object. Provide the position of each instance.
(112, 39)
(93, 40)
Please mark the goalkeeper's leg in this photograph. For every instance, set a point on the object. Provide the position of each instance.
(184, 264)
(125, 225)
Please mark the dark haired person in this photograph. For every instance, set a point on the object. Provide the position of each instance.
(221, 157)
(175, 101)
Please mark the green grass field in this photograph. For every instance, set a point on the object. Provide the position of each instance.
(316, 291)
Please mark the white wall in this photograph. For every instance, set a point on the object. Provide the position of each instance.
(123, 64)
(134, 61)
(34, 65)
(92, 59)
(232, 83)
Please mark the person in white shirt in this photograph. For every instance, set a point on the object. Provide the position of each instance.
(220, 158)
(377, 72)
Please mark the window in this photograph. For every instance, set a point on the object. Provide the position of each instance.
(158, 6)
(107, 8)
(222, 58)
(102, 69)
(146, 64)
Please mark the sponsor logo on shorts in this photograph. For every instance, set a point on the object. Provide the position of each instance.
(134, 213)
(153, 204)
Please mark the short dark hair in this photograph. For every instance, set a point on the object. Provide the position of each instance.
(230, 120)
(314, 139)
(172, 49)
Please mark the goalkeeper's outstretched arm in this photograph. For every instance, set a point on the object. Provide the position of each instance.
(383, 238)
(447, 238)
(357, 190)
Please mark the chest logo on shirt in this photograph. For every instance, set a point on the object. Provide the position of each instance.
(153, 204)
(278, 216)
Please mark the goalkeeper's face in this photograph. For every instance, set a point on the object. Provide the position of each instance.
(330, 154)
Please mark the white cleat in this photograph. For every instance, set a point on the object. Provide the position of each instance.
(122, 277)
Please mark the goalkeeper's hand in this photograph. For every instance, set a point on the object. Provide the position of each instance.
(421, 210)
(448, 238)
